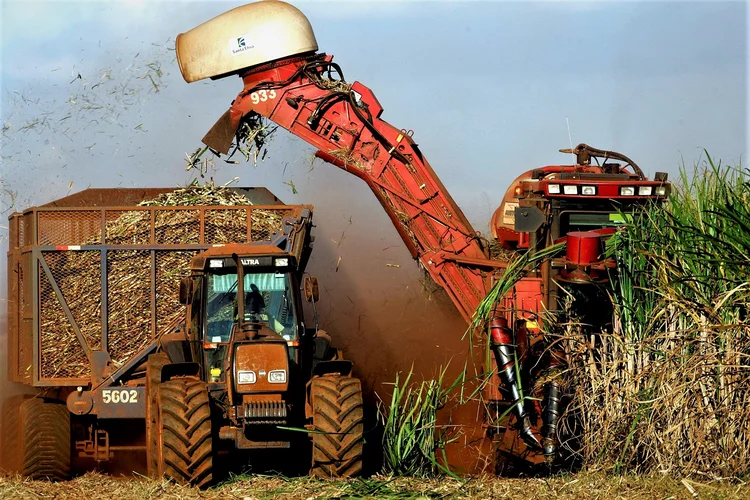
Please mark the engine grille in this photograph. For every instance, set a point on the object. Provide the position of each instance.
(265, 412)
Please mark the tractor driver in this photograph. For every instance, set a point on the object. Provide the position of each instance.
(254, 303)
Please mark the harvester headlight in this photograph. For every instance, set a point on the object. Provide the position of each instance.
(281, 262)
(246, 377)
(627, 191)
(661, 191)
(573, 189)
(216, 263)
(277, 376)
(588, 190)
(645, 190)
(553, 188)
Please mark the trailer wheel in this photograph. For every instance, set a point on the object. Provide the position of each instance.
(338, 424)
(11, 431)
(153, 378)
(184, 432)
(44, 449)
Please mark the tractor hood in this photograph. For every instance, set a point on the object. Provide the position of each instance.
(247, 36)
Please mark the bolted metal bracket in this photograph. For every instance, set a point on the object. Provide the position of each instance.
(528, 219)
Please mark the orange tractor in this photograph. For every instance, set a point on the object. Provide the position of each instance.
(271, 47)
(239, 369)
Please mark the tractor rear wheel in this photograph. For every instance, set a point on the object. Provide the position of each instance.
(11, 431)
(185, 438)
(153, 378)
(44, 451)
(338, 426)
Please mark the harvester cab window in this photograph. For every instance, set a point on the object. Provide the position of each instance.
(587, 221)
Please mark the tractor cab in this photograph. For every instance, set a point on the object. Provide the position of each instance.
(248, 299)
(247, 331)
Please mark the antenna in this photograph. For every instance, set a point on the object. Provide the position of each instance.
(570, 137)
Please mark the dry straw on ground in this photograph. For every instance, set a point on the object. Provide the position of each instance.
(96, 486)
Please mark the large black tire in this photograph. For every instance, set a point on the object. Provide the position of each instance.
(45, 439)
(153, 378)
(185, 437)
(338, 426)
(11, 432)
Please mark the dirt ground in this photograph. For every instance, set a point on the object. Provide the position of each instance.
(590, 485)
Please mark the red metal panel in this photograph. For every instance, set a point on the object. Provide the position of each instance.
(583, 247)
(525, 300)
(605, 189)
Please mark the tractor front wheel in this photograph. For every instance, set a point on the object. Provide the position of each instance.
(185, 439)
(337, 436)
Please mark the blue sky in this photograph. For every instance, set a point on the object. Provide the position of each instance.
(486, 86)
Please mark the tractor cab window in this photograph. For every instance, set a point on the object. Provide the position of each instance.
(268, 299)
(221, 297)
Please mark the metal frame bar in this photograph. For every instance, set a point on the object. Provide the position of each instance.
(105, 300)
(132, 363)
(153, 292)
(36, 355)
(202, 226)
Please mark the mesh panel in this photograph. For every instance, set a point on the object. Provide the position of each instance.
(128, 227)
(225, 226)
(266, 222)
(170, 268)
(61, 354)
(177, 227)
(78, 274)
(69, 227)
(129, 302)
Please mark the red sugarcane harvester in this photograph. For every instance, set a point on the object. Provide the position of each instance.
(271, 46)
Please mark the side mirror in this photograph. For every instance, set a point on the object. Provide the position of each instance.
(310, 286)
(186, 291)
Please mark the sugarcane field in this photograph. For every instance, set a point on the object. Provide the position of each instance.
(232, 271)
